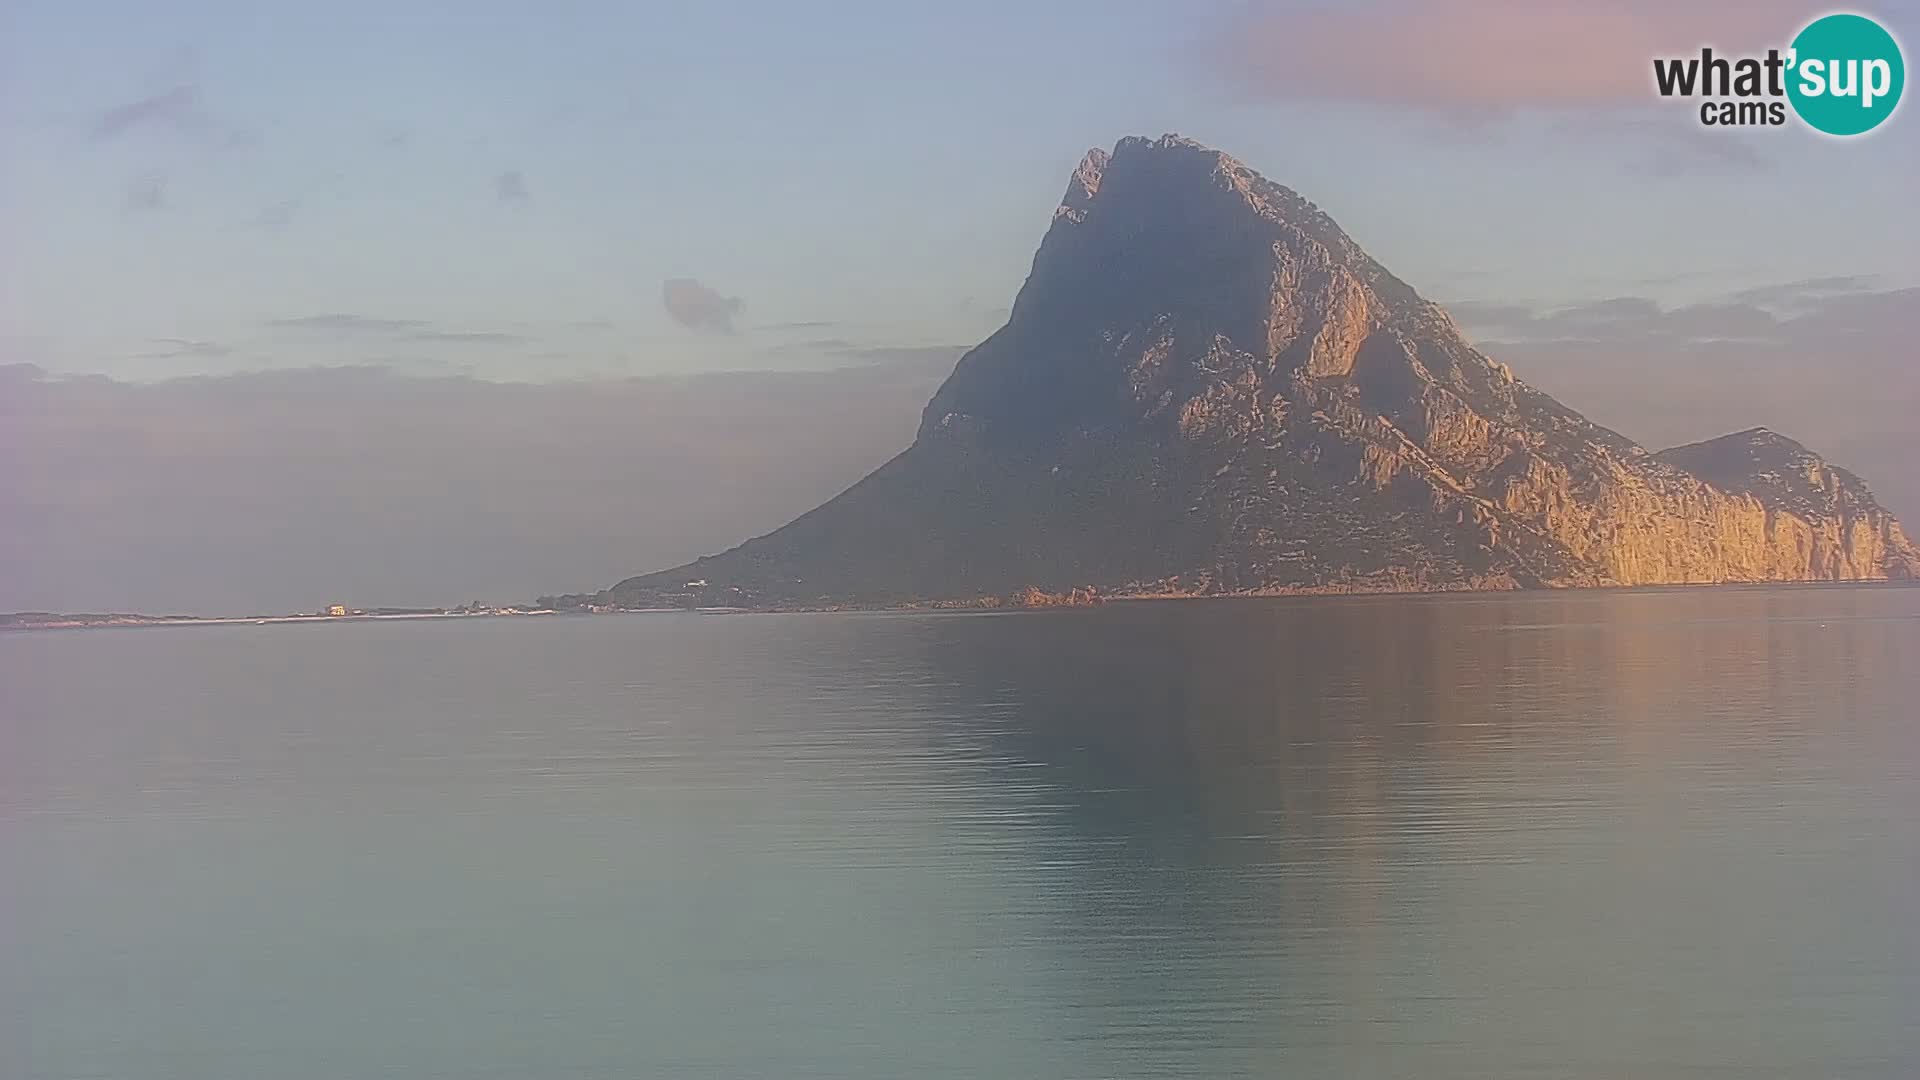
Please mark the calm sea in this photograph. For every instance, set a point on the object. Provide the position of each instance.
(1624, 835)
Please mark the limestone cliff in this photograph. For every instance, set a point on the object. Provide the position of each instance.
(1817, 521)
(1206, 387)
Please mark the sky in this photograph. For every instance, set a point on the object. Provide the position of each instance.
(570, 203)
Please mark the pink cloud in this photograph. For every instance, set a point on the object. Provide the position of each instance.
(1451, 54)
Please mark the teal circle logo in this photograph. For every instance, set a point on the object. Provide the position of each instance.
(1845, 74)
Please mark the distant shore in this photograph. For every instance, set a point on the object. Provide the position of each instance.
(41, 620)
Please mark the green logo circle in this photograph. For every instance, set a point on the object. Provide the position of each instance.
(1846, 74)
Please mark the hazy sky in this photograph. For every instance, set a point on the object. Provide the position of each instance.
(198, 187)
(604, 191)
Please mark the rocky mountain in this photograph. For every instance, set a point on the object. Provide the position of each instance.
(1206, 387)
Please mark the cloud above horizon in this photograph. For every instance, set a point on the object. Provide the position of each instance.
(510, 187)
(699, 307)
(1466, 71)
(1804, 293)
(340, 322)
(179, 111)
(177, 108)
(1494, 56)
(174, 348)
(361, 327)
(276, 215)
(1777, 314)
(147, 192)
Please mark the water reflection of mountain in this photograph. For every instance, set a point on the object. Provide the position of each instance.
(1335, 818)
(1221, 709)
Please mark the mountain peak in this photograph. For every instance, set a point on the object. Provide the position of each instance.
(1763, 436)
(1174, 144)
(1176, 159)
(1174, 247)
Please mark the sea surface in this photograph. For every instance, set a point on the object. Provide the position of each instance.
(1616, 835)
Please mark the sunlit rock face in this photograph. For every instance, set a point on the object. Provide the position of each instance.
(1206, 387)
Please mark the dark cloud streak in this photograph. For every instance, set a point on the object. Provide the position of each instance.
(177, 108)
(350, 327)
(461, 337)
(175, 348)
(276, 215)
(510, 187)
(1806, 291)
(337, 322)
(698, 307)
